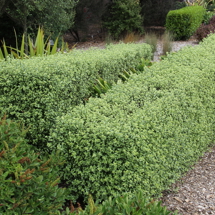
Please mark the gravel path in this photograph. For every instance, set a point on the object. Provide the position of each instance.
(176, 46)
(194, 194)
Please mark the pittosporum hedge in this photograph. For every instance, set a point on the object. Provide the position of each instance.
(142, 134)
(37, 90)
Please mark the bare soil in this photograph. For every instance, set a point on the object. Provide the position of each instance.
(194, 193)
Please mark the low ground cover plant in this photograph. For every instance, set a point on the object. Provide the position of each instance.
(37, 90)
(144, 133)
(131, 37)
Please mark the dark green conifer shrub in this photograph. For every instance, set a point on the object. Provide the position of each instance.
(123, 17)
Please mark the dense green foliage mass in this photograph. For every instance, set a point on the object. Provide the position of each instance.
(28, 181)
(123, 17)
(144, 133)
(37, 90)
(54, 15)
(185, 21)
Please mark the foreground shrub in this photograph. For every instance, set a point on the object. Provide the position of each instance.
(142, 134)
(28, 182)
(135, 204)
(37, 90)
(185, 21)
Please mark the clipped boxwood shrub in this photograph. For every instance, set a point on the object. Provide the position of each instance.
(28, 181)
(185, 21)
(142, 134)
(37, 90)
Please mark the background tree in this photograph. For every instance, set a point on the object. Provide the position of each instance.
(88, 15)
(3, 5)
(54, 15)
(155, 11)
(7, 34)
(123, 16)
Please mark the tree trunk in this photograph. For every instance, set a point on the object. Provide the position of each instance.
(25, 32)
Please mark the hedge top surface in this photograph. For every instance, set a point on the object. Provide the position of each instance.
(37, 90)
(186, 10)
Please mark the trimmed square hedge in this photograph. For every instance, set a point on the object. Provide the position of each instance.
(143, 134)
(37, 90)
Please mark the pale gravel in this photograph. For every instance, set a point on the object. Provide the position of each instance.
(194, 194)
(176, 46)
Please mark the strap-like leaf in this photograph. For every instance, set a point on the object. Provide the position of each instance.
(5, 49)
(31, 47)
(54, 48)
(22, 49)
(1, 55)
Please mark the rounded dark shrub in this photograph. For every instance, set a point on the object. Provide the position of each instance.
(212, 20)
(204, 30)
